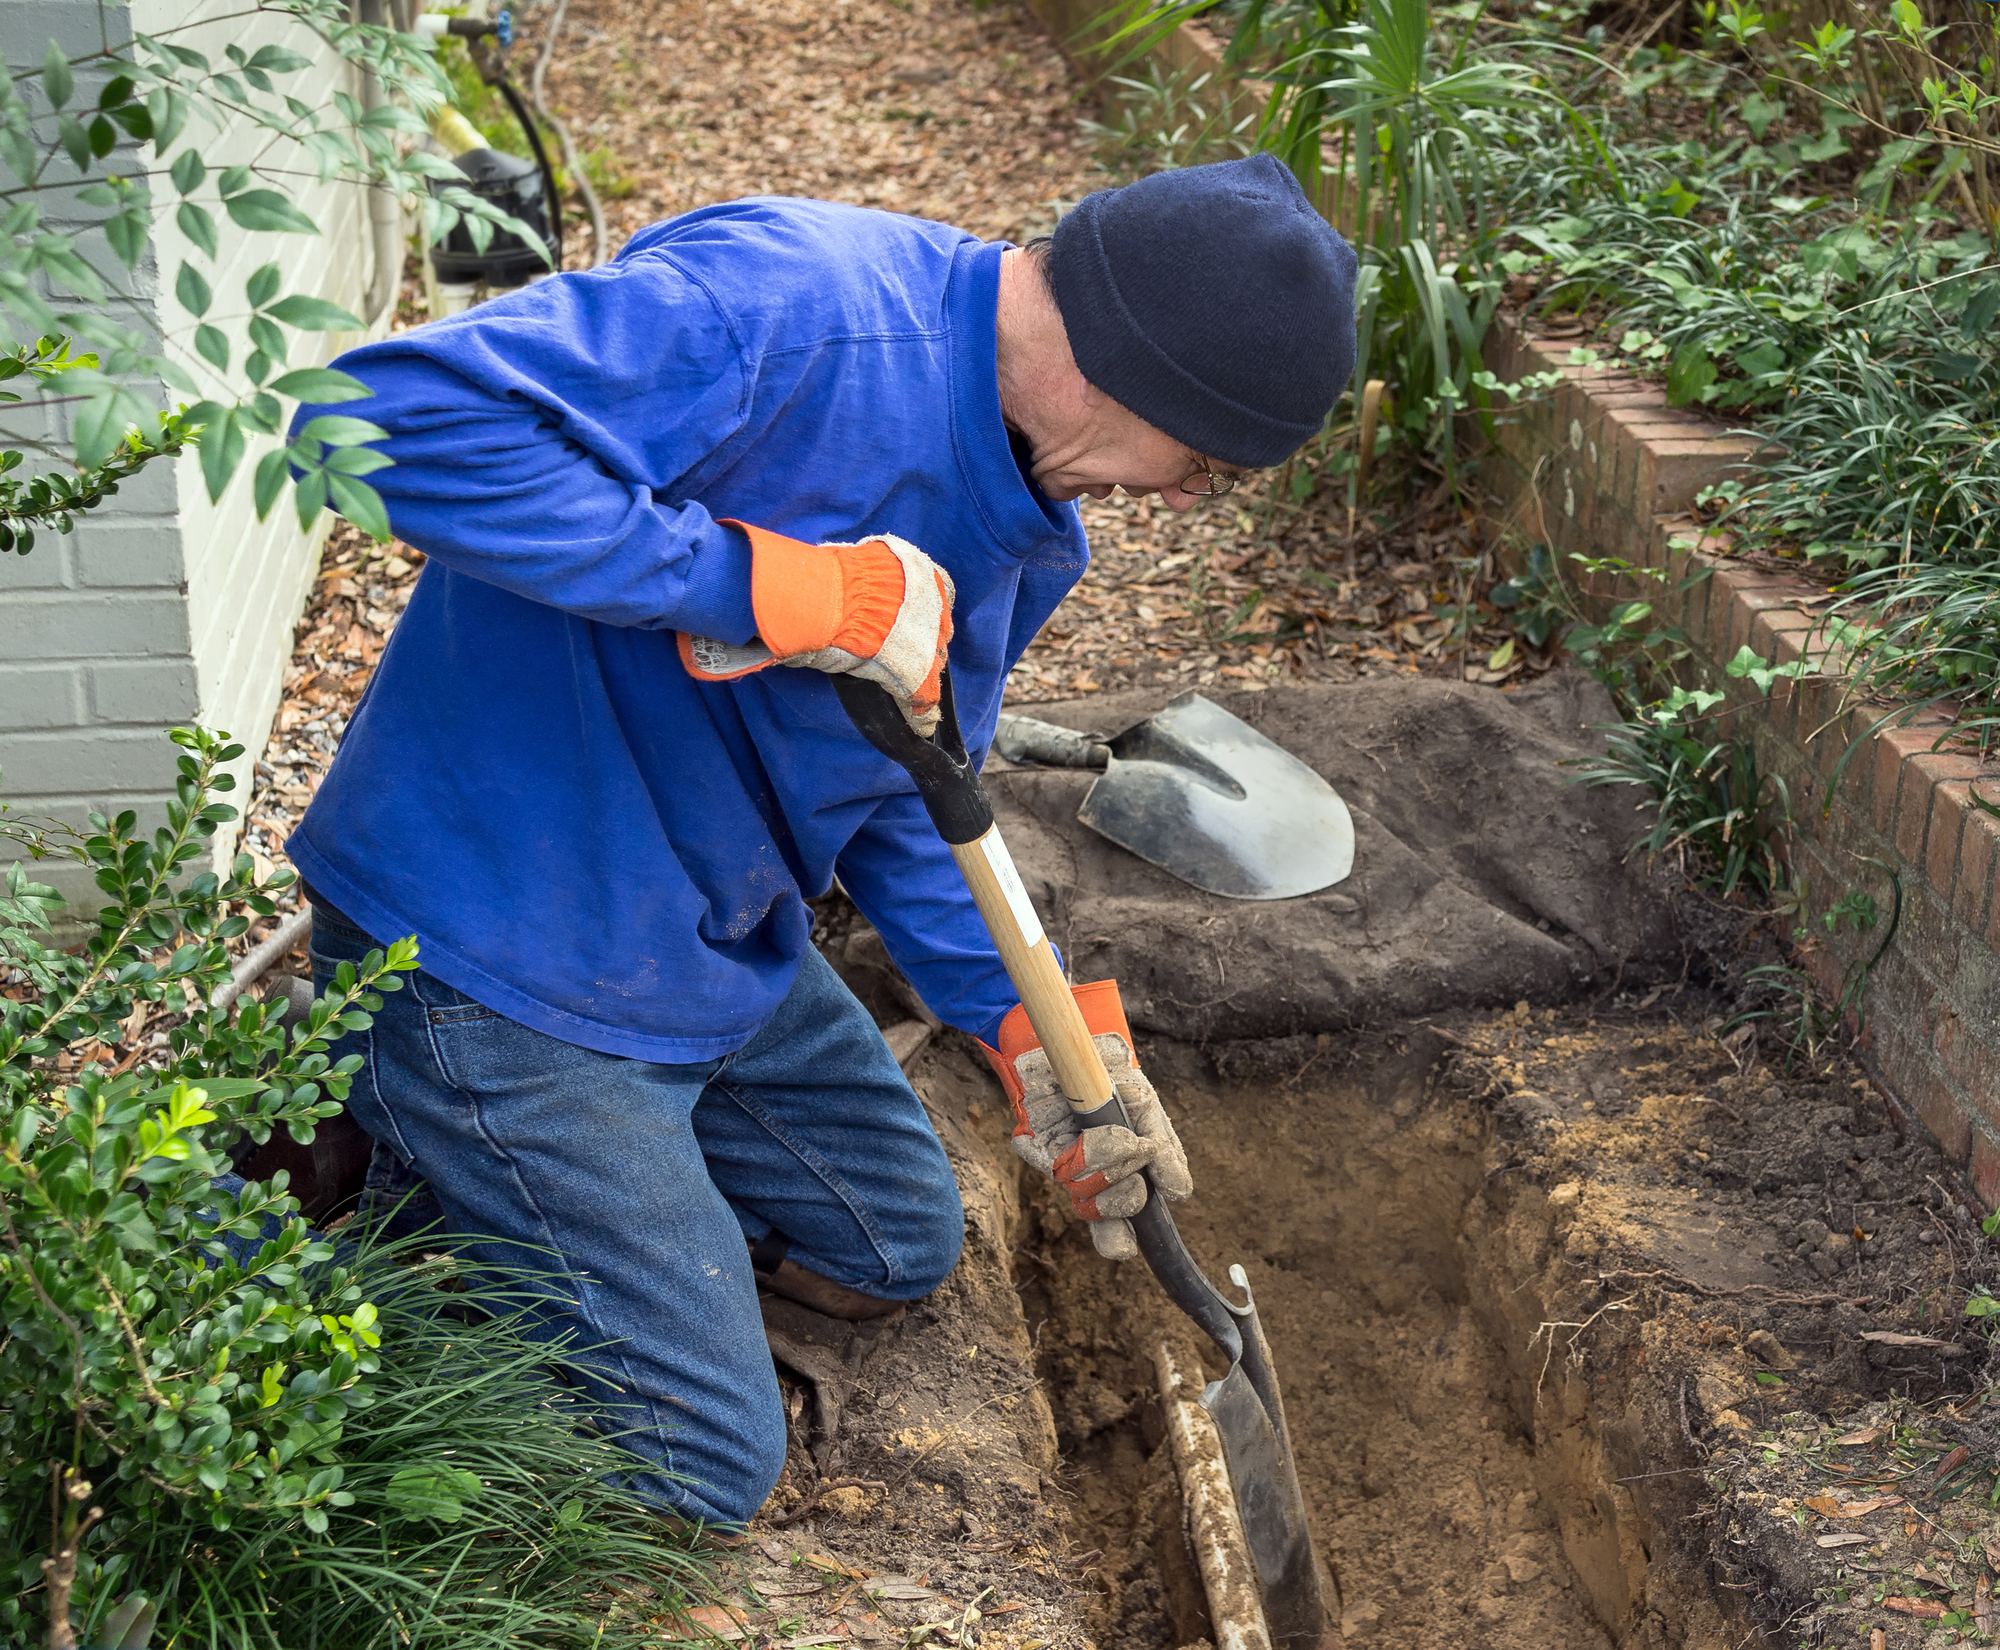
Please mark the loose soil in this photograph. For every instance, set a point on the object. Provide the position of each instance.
(1482, 872)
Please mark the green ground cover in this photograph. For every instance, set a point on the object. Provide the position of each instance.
(217, 1422)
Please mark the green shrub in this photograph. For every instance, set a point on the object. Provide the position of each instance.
(219, 1416)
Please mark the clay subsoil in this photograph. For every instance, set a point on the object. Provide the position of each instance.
(1510, 1267)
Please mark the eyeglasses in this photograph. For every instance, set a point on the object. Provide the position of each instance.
(1205, 483)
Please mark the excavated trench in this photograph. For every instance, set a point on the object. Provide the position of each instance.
(1526, 1278)
(1536, 1278)
(1401, 1286)
(1535, 1281)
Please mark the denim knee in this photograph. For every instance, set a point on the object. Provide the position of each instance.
(763, 1458)
(939, 1237)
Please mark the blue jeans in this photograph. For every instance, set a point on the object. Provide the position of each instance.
(633, 1188)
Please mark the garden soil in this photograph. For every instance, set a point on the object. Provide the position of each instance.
(1483, 870)
(1542, 1279)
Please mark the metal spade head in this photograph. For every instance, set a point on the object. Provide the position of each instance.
(1202, 794)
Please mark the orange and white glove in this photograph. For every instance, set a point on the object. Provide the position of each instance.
(880, 610)
(1099, 1168)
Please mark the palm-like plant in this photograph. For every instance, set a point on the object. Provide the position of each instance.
(1416, 122)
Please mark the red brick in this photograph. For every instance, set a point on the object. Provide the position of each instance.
(1848, 835)
(1972, 1061)
(1984, 1170)
(1643, 423)
(1786, 762)
(1667, 531)
(1919, 800)
(1782, 711)
(1894, 747)
(1947, 828)
(1913, 817)
(1543, 354)
(1782, 633)
(1844, 738)
(1751, 609)
(1993, 919)
(1673, 471)
(1571, 405)
(1694, 600)
(1976, 859)
(1910, 1073)
(1819, 741)
(1608, 433)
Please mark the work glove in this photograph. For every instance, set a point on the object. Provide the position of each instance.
(880, 610)
(1099, 1168)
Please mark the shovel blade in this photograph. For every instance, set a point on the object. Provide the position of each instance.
(1199, 792)
(1273, 1514)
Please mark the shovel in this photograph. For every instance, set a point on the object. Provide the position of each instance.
(1246, 1406)
(1201, 793)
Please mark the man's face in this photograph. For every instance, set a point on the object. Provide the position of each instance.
(1116, 448)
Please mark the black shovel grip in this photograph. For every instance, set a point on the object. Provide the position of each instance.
(946, 779)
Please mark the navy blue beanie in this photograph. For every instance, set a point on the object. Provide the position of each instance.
(1214, 302)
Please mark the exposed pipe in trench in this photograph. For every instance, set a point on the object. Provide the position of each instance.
(1215, 1528)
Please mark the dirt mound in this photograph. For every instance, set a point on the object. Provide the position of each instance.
(1482, 872)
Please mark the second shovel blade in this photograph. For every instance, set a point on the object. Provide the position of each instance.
(1202, 794)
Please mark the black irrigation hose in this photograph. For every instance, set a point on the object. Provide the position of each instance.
(527, 121)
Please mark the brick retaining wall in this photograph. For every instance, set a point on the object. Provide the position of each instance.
(1606, 467)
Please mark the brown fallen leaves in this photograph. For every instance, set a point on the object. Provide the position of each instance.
(1249, 592)
(359, 594)
(1828, 1507)
(939, 108)
(969, 114)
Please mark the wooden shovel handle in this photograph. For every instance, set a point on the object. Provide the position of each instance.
(948, 783)
(1032, 968)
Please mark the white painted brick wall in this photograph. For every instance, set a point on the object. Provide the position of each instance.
(163, 608)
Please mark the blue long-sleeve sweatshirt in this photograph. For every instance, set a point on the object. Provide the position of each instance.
(581, 836)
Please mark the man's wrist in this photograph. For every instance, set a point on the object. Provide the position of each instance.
(717, 597)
